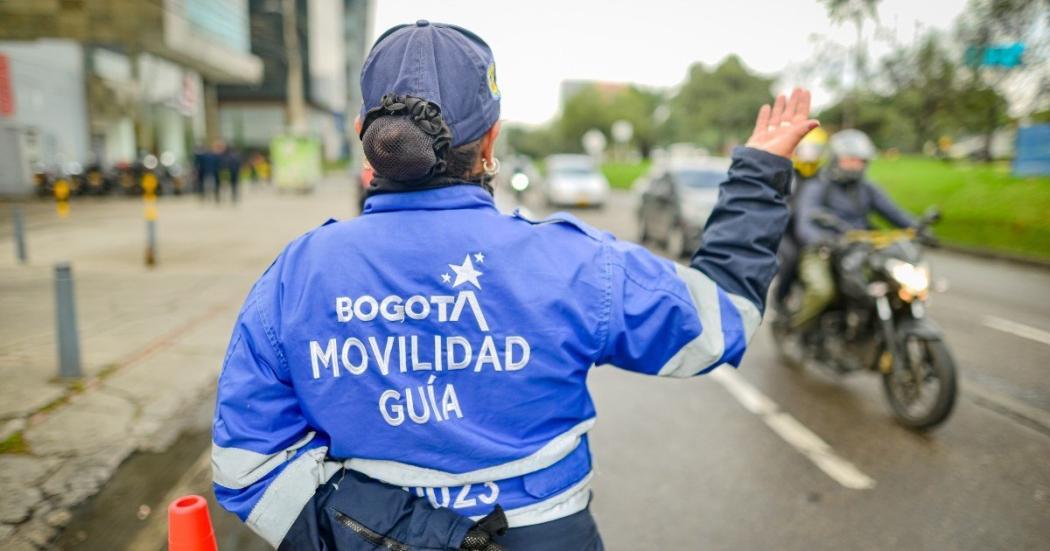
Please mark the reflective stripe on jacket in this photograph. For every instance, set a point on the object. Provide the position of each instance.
(438, 345)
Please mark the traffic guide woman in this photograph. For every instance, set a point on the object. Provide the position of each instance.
(394, 378)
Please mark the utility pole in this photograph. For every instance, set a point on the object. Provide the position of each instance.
(296, 106)
(133, 48)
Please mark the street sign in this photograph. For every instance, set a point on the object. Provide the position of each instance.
(1006, 56)
(622, 131)
(593, 142)
(7, 97)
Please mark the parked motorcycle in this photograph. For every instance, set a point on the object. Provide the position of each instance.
(69, 177)
(126, 177)
(879, 322)
(96, 181)
(43, 180)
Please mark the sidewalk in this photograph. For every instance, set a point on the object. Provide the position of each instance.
(151, 340)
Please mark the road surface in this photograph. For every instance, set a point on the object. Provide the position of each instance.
(765, 457)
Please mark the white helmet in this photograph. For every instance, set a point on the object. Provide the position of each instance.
(849, 143)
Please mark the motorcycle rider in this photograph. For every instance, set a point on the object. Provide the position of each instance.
(840, 190)
(433, 352)
(808, 158)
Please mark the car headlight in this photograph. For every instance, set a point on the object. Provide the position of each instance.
(520, 182)
(914, 279)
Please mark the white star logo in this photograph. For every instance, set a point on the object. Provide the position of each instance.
(465, 273)
(479, 258)
(445, 278)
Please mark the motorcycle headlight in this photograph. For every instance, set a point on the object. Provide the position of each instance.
(519, 182)
(914, 279)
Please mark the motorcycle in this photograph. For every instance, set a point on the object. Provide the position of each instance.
(43, 180)
(96, 180)
(126, 177)
(66, 177)
(878, 322)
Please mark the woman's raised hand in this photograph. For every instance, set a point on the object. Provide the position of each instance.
(779, 129)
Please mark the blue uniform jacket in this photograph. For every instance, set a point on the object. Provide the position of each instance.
(435, 344)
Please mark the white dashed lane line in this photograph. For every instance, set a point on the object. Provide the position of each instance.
(1017, 329)
(794, 433)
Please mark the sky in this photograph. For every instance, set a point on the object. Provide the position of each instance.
(540, 43)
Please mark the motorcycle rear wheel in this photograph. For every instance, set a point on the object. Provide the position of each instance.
(933, 361)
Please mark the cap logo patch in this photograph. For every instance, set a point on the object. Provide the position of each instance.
(493, 87)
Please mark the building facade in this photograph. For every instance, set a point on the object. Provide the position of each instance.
(108, 80)
(332, 37)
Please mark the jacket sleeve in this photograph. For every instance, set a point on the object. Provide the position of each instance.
(744, 230)
(266, 461)
(672, 320)
(807, 232)
(885, 207)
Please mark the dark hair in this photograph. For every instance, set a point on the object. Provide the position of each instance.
(461, 160)
(408, 144)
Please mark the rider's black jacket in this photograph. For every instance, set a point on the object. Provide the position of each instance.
(851, 203)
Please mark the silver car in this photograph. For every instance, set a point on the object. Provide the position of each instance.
(574, 181)
(676, 200)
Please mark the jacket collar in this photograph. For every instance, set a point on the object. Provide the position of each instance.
(445, 198)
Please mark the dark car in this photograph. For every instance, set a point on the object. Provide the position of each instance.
(676, 199)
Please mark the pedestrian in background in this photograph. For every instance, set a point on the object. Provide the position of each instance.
(209, 167)
(231, 161)
(200, 170)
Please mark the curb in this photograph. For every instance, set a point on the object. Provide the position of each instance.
(63, 479)
(1030, 261)
(70, 481)
(1031, 416)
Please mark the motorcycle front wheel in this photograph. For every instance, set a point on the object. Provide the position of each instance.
(788, 343)
(922, 392)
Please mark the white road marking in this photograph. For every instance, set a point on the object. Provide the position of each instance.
(787, 427)
(1018, 329)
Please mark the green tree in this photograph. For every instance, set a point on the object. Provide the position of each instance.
(637, 106)
(876, 115)
(537, 142)
(599, 107)
(981, 109)
(856, 12)
(987, 23)
(923, 80)
(715, 108)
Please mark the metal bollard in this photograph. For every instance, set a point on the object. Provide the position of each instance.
(151, 242)
(149, 198)
(62, 192)
(20, 234)
(66, 323)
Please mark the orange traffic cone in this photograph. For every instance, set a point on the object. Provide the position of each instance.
(189, 525)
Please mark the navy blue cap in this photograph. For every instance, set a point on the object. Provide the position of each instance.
(443, 64)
